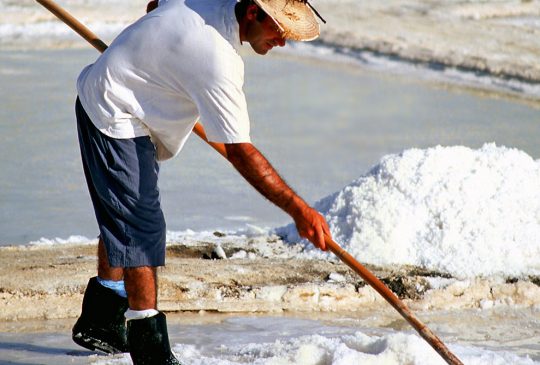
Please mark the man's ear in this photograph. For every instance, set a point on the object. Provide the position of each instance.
(251, 12)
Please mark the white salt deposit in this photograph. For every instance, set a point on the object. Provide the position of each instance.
(392, 349)
(359, 348)
(336, 278)
(454, 209)
(71, 240)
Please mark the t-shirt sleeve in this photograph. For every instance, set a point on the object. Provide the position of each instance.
(220, 99)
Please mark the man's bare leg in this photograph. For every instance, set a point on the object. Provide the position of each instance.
(140, 282)
(141, 287)
(105, 271)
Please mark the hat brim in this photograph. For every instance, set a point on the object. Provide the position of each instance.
(295, 18)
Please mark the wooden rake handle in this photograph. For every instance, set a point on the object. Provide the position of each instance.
(74, 24)
(371, 279)
(394, 301)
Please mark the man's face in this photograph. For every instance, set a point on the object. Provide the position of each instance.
(263, 35)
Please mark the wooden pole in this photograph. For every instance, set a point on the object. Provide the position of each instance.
(344, 256)
(74, 24)
(394, 301)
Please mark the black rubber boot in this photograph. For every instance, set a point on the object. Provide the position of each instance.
(102, 325)
(149, 341)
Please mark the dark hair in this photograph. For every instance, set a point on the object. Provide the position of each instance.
(241, 9)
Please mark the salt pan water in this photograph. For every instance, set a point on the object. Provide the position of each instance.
(275, 340)
(323, 124)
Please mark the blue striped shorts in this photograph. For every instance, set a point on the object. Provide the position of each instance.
(122, 177)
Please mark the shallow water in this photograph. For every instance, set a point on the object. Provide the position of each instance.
(499, 336)
(321, 123)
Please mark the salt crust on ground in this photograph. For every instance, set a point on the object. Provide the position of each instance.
(477, 35)
(456, 210)
(39, 282)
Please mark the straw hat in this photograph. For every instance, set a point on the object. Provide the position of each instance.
(295, 17)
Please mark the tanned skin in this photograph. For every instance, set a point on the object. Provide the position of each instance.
(256, 169)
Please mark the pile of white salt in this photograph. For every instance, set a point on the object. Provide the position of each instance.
(453, 209)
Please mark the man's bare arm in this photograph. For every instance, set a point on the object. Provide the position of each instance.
(258, 171)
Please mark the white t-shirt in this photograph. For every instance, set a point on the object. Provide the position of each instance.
(173, 66)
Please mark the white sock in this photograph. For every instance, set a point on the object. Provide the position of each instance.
(146, 313)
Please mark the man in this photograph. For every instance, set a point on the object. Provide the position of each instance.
(137, 105)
